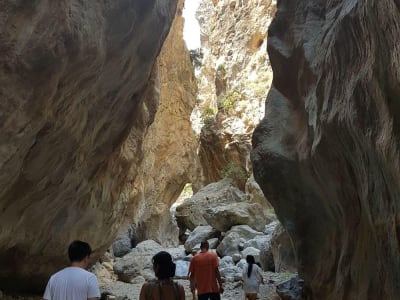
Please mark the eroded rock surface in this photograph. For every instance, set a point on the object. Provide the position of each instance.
(233, 83)
(170, 143)
(73, 78)
(327, 152)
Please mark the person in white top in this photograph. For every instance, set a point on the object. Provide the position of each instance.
(251, 278)
(74, 282)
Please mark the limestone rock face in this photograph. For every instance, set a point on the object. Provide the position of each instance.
(170, 143)
(73, 78)
(233, 83)
(327, 152)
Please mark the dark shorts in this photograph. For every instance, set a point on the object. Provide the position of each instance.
(209, 296)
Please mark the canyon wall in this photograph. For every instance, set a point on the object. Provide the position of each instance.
(233, 82)
(169, 144)
(75, 103)
(327, 152)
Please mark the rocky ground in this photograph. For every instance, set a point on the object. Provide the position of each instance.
(233, 290)
(127, 291)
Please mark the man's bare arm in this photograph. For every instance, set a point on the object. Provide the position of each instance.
(219, 279)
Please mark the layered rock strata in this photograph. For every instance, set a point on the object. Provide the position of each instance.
(72, 85)
(327, 152)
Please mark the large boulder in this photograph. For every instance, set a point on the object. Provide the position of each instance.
(198, 234)
(235, 238)
(220, 205)
(326, 155)
(123, 243)
(138, 262)
(74, 85)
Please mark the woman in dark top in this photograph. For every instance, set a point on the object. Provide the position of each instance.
(164, 288)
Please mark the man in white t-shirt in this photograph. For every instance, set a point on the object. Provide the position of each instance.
(74, 282)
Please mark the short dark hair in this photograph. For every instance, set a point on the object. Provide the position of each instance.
(78, 250)
(204, 245)
(166, 267)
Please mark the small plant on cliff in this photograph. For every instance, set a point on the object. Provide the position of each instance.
(208, 116)
(227, 104)
(234, 171)
(196, 57)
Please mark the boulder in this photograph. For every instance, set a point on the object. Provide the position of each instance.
(182, 269)
(177, 253)
(198, 234)
(291, 289)
(228, 269)
(227, 215)
(123, 243)
(258, 242)
(220, 205)
(138, 262)
(252, 251)
(189, 214)
(237, 236)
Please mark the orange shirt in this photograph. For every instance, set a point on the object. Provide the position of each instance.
(203, 267)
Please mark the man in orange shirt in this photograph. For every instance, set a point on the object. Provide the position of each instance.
(204, 274)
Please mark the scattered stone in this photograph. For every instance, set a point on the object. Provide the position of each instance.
(290, 289)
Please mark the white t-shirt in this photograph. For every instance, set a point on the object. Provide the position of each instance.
(72, 283)
(251, 284)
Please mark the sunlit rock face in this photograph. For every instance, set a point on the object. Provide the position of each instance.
(169, 160)
(72, 87)
(233, 82)
(327, 152)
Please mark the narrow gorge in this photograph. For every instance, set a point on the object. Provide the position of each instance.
(278, 136)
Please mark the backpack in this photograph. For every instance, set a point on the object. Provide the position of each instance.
(153, 283)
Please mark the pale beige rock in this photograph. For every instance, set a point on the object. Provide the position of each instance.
(72, 75)
(235, 69)
(169, 145)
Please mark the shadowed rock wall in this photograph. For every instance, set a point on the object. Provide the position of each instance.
(326, 154)
(72, 78)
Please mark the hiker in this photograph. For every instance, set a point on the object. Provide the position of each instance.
(251, 278)
(164, 288)
(193, 287)
(74, 282)
(204, 274)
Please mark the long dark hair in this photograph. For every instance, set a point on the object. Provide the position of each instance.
(250, 261)
(166, 267)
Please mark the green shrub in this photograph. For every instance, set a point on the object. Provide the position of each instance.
(196, 57)
(228, 103)
(208, 116)
(234, 172)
